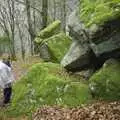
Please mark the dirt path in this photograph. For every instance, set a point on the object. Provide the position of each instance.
(20, 68)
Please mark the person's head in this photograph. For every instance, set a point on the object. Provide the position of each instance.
(5, 57)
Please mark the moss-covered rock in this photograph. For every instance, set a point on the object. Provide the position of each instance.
(58, 46)
(46, 84)
(98, 11)
(95, 33)
(49, 31)
(56, 41)
(105, 84)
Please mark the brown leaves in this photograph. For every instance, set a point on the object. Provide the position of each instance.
(97, 111)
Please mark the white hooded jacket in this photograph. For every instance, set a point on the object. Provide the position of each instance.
(6, 76)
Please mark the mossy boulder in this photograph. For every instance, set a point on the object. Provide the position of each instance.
(94, 26)
(58, 46)
(53, 42)
(49, 31)
(98, 11)
(46, 84)
(105, 83)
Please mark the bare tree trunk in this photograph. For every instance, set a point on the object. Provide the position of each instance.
(64, 21)
(63, 14)
(21, 40)
(34, 18)
(30, 27)
(44, 13)
(12, 25)
(34, 27)
(54, 2)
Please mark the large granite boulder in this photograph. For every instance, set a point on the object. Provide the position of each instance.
(79, 54)
(78, 57)
(94, 41)
(106, 41)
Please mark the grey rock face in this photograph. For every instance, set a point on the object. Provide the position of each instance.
(44, 53)
(108, 46)
(85, 74)
(77, 29)
(77, 57)
(79, 54)
(91, 46)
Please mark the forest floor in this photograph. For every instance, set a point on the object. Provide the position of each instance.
(21, 67)
(96, 111)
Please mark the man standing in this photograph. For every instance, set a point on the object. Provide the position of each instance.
(6, 79)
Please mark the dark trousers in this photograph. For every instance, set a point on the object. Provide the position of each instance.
(7, 95)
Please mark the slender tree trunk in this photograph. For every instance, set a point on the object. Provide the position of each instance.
(30, 27)
(63, 14)
(34, 27)
(64, 21)
(13, 45)
(11, 8)
(22, 43)
(44, 13)
(54, 2)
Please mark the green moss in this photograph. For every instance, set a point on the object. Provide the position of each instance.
(105, 83)
(98, 11)
(52, 29)
(46, 84)
(58, 45)
(76, 94)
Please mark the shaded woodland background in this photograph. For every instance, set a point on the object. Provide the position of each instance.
(21, 20)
